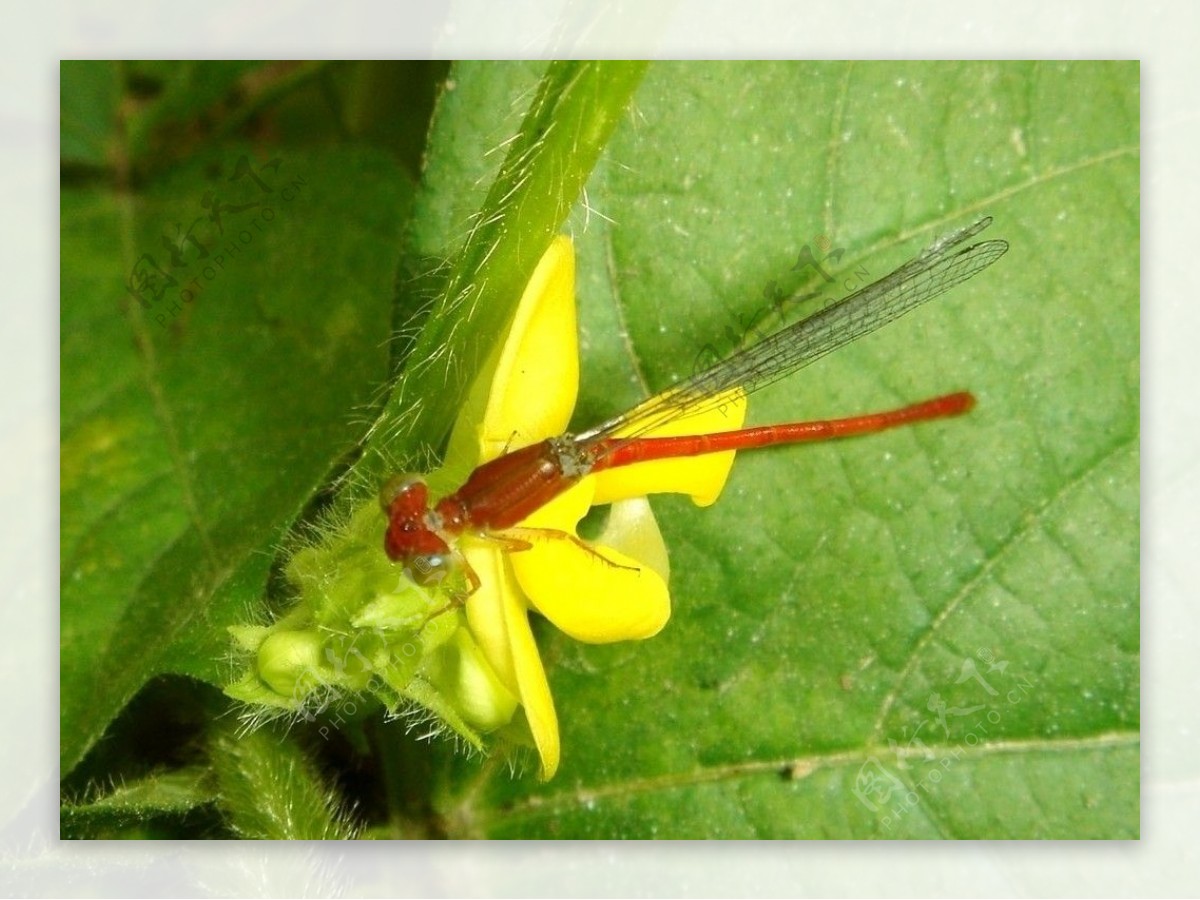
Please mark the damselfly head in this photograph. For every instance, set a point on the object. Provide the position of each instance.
(410, 539)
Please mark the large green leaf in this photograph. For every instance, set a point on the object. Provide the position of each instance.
(930, 632)
(194, 429)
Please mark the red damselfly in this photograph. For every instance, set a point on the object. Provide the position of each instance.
(501, 493)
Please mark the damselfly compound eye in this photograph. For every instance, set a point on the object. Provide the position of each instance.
(395, 486)
(428, 570)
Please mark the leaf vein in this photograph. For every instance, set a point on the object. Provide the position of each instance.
(1031, 522)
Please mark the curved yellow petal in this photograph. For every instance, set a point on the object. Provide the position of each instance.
(593, 593)
(499, 621)
(701, 476)
(534, 689)
(485, 608)
(528, 392)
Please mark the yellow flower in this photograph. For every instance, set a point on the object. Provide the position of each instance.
(614, 589)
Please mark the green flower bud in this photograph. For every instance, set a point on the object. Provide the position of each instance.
(466, 680)
(291, 662)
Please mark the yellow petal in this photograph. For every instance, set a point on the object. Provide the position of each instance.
(527, 393)
(534, 689)
(499, 621)
(485, 608)
(701, 476)
(595, 595)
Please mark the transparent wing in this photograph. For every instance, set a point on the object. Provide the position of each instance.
(942, 266)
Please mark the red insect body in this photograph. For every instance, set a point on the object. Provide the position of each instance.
(503, 492)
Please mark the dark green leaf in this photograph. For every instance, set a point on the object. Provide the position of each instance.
(194, 431)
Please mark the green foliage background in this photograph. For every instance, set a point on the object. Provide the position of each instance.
(820, 605)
